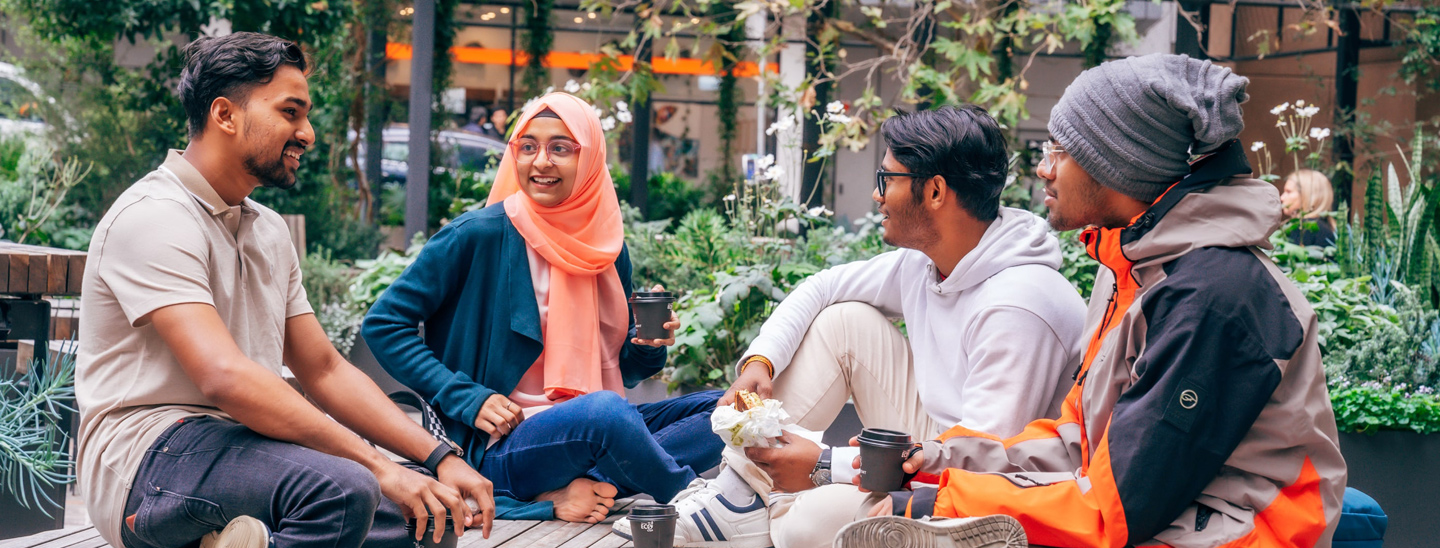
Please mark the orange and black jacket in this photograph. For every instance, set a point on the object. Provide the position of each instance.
(1199, 417)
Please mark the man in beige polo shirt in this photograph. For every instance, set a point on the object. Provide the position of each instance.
(192, 302)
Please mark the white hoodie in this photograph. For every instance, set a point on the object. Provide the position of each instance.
(1018, 323)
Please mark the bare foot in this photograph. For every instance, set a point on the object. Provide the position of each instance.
(584, 500)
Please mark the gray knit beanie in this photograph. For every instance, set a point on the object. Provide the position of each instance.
(1132, 124)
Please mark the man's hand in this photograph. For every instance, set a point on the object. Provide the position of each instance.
(789, 465)
(755, 378)
(422, 497)
(910, 466)
(498, 416)
(883, 508)
(456, 474)
(673, 325)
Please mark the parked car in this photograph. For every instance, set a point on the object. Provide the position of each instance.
(458, 150)
(20, 101)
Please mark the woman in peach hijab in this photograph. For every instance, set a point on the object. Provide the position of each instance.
(529, 342)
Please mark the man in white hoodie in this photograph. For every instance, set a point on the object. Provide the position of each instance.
(993, 333)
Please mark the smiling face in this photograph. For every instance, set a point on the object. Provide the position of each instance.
(276, 128)
(905, 220)
(540, 178)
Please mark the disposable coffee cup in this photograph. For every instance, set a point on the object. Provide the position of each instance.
(447, 541)
(881, 454)
(652, 310)
(653, 525)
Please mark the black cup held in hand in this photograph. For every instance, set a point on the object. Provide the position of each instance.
(652, 310)
(449, 540)
(653, 525)
(881, 454)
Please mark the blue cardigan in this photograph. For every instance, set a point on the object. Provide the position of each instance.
(471, 288)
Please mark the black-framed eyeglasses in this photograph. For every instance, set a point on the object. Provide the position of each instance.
(881, 175)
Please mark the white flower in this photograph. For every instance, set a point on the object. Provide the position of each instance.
(585, 86)
(783, 124)
(774, 172)
(1280, 123)
(621, 106)
(729, 197)
(1299, 103)
(1257, 146)
(838, 118)
(598, 113)
(1279, 109)
(572, 87)
(1308, 111)
(764, 162)
(819, 211)
(608, 123)
(548, 89)
(835, 107)
(624, 116)
(1320, 133)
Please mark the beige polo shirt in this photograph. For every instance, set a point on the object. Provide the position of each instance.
(169, 239)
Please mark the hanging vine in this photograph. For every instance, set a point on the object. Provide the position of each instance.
(537, 41)
(728, 48)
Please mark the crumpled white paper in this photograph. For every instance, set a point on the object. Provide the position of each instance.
(754, 427)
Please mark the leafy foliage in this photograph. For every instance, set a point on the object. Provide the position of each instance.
(33, 444)
(1369, 408)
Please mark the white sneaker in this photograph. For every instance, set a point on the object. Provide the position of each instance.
(980, 532)
(242, 532)
(709, 520)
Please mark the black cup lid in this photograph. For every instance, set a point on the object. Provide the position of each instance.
(430, 525)
(876, 435)
(654, 295)
(653, 510)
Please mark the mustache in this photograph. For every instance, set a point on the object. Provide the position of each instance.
(296, 144)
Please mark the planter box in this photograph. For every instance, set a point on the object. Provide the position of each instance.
(19, 521)
(1401, 470)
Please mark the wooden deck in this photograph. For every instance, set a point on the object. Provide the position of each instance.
(506, 534)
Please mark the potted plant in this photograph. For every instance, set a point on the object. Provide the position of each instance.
(35, 417)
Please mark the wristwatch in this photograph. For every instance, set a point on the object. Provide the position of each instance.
(821, 474)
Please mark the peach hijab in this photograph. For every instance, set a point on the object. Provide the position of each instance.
(580, 237)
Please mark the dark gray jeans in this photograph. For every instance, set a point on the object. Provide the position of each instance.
(202, 472)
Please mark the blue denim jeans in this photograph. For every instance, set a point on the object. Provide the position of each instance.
(202, 472)
(651, 448)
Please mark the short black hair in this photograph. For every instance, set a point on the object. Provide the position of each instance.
(963, 143)
(230, 66)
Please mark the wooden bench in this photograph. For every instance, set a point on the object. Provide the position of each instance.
(506, 534)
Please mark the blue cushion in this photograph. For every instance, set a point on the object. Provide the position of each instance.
(1362, 522)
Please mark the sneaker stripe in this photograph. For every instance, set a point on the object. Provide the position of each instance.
(706, 513)
(753, 506)
(701, 526)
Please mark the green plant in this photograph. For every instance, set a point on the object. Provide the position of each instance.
(537, 40)
(33, 190)
(33, 443)
(1369, 408)
(377, 274)
(1076, 264)
(326, 280)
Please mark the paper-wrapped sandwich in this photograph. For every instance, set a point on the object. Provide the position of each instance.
(751, 422)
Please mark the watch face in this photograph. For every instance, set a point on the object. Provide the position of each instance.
(820, 477)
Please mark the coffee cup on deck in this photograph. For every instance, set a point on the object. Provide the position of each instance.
(653, 525)
(449, 540)
(652, 310)
(881, 454)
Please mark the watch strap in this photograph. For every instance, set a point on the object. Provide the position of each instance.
(432, 462)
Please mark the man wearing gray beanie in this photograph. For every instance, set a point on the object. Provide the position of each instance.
(1199, 416)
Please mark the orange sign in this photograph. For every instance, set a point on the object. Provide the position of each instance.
(576, 60)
